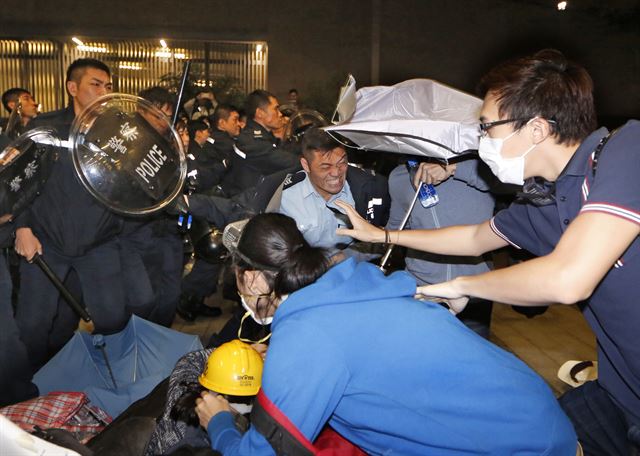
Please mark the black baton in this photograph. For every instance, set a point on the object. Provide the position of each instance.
(77, 308)
(183, 83)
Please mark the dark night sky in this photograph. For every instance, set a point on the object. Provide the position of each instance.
(314, 44)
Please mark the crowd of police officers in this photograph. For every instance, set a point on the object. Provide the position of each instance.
(117, 265)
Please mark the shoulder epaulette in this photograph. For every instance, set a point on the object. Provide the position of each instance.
(293, 179)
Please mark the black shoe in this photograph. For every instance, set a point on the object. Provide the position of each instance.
(186, 314)
(188, 307)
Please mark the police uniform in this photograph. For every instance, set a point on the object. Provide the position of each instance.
(206, 165)
(312, 213)
(223, 144)
(158, 252)
(15, 371)
(612, 310)
(76, 232)
(256, 154)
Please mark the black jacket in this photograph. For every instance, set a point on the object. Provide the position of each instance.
(208, 162)
(257, 154)
(65, 214)
(223, 144)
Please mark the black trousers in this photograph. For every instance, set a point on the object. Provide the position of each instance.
(602, 427)
(99, 274)
(15, 372)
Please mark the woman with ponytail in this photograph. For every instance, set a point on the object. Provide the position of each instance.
(353, 349)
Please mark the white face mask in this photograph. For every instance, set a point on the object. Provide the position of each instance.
(261, 321)
(242, 409)
(508, 170)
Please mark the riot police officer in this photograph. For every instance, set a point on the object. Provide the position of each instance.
(15, 375)
(71, 229)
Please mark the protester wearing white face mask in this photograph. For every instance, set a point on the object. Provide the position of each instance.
(407, 390)
(510, 170)
(538, 121)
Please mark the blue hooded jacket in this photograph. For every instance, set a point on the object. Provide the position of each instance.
(396, 376)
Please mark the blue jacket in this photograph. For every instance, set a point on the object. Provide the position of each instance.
(397, 376)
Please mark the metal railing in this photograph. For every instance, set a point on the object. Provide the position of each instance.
(39, 65)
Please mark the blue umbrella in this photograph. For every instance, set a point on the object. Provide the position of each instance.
(116, 370)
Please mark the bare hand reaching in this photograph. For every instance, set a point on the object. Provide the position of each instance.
(362, 230)
(261, 349)
(444, 292)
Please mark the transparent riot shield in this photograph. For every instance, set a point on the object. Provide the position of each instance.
(127, 155)
(25, 164)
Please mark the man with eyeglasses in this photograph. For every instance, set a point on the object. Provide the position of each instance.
(582, 221)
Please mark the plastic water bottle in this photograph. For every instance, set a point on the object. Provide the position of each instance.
(428, 196)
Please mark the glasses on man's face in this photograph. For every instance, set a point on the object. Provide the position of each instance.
(486, 126)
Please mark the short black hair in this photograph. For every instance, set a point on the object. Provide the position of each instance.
(12, 95)
(79, 66)
(196, 125)
(547, 85)
(222, 111)
(316, 139)
(158, 96)
(257, 99)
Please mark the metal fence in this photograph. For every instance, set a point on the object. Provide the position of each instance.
(40, 65)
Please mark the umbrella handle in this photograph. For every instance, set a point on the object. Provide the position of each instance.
(387, 254)
(55, 280)
(99, 343)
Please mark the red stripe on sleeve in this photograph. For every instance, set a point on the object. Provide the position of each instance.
(281, 418)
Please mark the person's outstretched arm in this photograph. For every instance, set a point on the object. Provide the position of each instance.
(570, 273)
(466, 240)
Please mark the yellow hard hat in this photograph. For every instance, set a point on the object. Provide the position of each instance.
(233, 368)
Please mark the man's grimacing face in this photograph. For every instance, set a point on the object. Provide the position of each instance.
(327, 171)
(231, 125)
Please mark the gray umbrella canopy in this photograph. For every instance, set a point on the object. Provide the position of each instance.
(416, 117)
